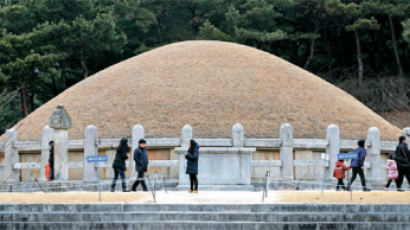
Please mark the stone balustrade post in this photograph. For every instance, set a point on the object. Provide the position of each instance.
(138, 133)
(406, 133)
(286, 151)
(332, 148)
(186, 136)
(90, 149)
(46, 137)
(238, 135)
(11, 156)
(373, 152)
(60, 121)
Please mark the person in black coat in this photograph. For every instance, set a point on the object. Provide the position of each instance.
(51, 160)
(119, 164)
(141, 165)
(192, 165)
(402, 158)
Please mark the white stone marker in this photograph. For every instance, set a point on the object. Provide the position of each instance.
(11, 156)
(286, 151)
(333, 148)
(60, 121)
(373, 152)
(186, 136)
(406, 133)
(238, 135)
(138, 133)
(90, 149)
(47, 136)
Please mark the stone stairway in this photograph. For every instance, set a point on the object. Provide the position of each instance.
(203, 216)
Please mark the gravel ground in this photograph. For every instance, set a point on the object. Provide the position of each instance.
(209, 197)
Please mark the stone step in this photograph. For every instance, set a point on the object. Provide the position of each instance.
(167, 225)
(6, 208)
(205, 216)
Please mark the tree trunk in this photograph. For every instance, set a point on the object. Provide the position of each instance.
(359, 58)
(311, 50)
(85, 68)
(23, 98)
(83, 64)
(394, 45)
(329, 55)
(63, 75)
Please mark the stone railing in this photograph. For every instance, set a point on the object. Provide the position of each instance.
(285, 145)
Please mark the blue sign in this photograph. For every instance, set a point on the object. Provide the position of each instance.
(347, 156)
(97, 158)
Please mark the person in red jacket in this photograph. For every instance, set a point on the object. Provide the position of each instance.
(339, 173)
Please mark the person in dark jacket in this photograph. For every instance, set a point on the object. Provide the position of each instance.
(357, 166)
(402, 158)
(141, 164)
(51, 160)
(119, 164)
(192, 165)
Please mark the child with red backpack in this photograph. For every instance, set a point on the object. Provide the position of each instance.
(339, 174)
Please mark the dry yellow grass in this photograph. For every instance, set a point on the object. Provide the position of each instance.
(210, 85)
(228, 197)
(374, 197)
(75, 197)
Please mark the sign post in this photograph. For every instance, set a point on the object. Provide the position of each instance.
(348, 156)
(325, 158)
(98, 159)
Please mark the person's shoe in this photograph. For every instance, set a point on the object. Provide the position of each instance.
(145, 190)
(386, 189)
(366, 189)
(112, 189)
(400, 190)
(190, 191)
(195, 191)
(348, 188)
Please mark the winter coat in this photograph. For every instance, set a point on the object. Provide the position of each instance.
(402, 156)
(361, 155)
(392, 172)
(141, 159)
(192, 161)
(120, 157)
(339, 171)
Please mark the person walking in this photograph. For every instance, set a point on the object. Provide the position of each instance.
(339, 174)
(119, 164)
(357, 166)
(392, 173)
(192, 157)
(141, 165)
(402, 158)
(51, 160)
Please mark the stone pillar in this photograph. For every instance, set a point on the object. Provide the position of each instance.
(406, 133)
(90, 149)
(47, 136)
(373, 152)
(286, 151)
(332, 148)
(11, 156)
(238, 136)
(138, 133)
(186, 136)
(60, 121)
